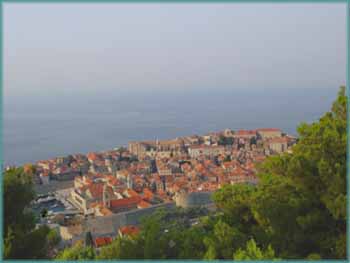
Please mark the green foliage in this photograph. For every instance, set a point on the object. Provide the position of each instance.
(234, 202)
(77, 252)
(34, 244)
(192, 246)
(21, 239)
(223, 241)
(53, 238)
(314, 256)
(317, 169)
(253, 252)
(88, 239)
(121, 248)
(299, 205)
(18, 193)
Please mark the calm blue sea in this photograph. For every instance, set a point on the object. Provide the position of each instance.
(43, 126)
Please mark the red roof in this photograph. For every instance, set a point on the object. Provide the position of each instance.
(96, 189)
(125, 202)
(147, 193)
(92, 156)
(246, 132)
(102, 241)
(131, 192)
(143, 204)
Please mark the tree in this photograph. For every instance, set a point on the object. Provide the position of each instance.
(34, 244)
(122, 248)
(77, 252)
(319, 159)
(21, 239)
(18, 193)
(299, 205)
(88, 239)
(235, 201)
(152, 232)
(222, 242)
(192, 246)
(253, 252)
(317, 170)
(53, 238)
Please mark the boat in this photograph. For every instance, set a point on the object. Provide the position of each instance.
(44, 200)
(54, 206)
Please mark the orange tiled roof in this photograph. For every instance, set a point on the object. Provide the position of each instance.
(147, 193)
(131, 192)
(143, 204)
(96, 189)
(105, 211)
(245, 132)
(102, 241)
(92, 156)
(125, 202)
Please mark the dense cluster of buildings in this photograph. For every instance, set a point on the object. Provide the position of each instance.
(184, 171)
(152, 172)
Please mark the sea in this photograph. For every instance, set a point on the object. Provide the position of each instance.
(45, 125)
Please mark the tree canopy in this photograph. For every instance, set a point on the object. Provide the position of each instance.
(21, 239)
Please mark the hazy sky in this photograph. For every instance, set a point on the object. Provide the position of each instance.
(55, 48)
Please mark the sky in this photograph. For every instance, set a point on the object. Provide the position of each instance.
(53, 49)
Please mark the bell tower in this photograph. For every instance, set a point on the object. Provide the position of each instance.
(105, 197)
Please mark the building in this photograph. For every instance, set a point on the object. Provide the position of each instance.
(269, 133)
(245, 134)
(138, 148)
(163, 148)
(205, 150)
(228, 133)
(278, 145)
(193, 199)
(45, 178)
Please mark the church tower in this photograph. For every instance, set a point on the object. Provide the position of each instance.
(105, 196)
